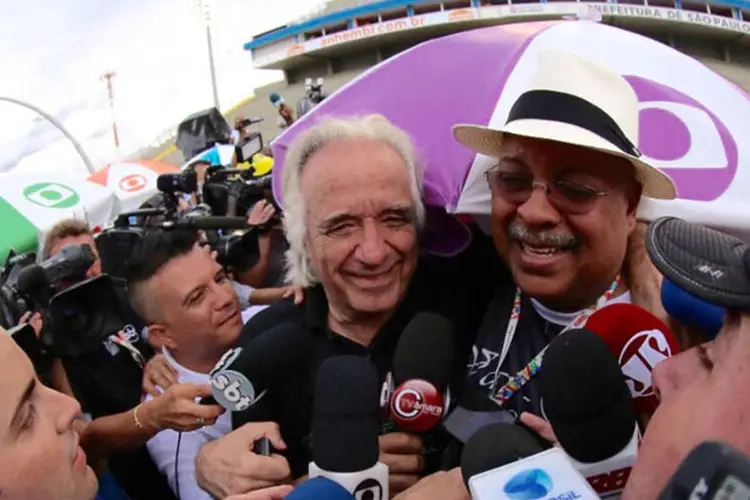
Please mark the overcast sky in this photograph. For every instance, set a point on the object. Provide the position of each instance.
(54, 52)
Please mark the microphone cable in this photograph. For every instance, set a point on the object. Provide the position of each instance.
(176, 466)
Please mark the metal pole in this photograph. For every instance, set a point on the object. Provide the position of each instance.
(211, 64)
(110, 89)
(59, 126)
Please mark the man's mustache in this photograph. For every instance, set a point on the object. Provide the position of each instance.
(551, 239)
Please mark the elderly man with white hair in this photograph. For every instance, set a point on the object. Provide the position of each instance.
(354, 217)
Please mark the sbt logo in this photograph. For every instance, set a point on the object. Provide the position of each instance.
(51, 195)
(233, 391)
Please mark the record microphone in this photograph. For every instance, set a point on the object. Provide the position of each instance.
(422, 367)
(640, 341)
(346, 428)
(588, 404)
(243, 374)
(506, 461)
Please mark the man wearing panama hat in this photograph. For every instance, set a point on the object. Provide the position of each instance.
(570, 246)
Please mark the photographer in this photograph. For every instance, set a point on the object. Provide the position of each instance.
(107, 379)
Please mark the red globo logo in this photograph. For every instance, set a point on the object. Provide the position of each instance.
(416, 406)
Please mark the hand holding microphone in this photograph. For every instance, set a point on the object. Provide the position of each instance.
(402, 454)
(228, 465)
(177, 409)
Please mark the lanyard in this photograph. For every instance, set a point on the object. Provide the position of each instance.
(122, 341)
(520, 379)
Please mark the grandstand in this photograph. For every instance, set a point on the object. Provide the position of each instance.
(348, 36)
(345, 37)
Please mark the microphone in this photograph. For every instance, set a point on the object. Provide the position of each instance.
(319, 488)
(209, 223)
(690, 310)
(505, 461)
(712, 471)
(346, 426)
(243, 374)
(587, 402)
(640, 341)
(422, 367)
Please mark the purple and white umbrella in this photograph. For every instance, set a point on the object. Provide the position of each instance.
(693, 123)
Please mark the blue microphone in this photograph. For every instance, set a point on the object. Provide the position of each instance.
(690, 310)
(319, 488)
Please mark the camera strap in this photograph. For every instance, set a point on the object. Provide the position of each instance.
(123, 342)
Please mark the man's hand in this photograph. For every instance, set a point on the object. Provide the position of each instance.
(539, 425)
(402, 453)
(295, 291)
(158, 372)
(261, 213)
(228, 466)
(274, 493)
(442, 485)
(176, 409)
(35, 320)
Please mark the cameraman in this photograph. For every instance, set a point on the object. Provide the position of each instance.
(107, 379)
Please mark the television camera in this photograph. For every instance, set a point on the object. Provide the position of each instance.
(313, 96)
(77, 312)
(227, 195)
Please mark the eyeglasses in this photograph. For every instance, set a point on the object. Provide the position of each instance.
(516, 188)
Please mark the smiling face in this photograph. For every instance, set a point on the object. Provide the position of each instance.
(199, 314)
(703, 394)
(561, 217)
(361, 233)
(39, 456)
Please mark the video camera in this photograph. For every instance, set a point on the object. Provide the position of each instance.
(76, 312)
(227, 196)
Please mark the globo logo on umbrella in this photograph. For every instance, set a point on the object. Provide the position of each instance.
(51, 195)
(686, 139)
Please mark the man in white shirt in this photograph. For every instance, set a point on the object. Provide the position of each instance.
(193, 316)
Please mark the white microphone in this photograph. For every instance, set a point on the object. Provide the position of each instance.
(503, 461)
(346, 426)
(608, 477)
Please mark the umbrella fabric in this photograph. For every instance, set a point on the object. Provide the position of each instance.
(692, 120)
(220, 154)
(30, 204)
(132, 182)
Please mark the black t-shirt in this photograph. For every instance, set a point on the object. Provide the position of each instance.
(458, 289)
(533, 333)
(106, 380)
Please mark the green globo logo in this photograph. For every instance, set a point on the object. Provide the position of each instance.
(51, 195)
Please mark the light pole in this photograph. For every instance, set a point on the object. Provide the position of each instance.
(109, 75)
(59, 126)
(205, 7)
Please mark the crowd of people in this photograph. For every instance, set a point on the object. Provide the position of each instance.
(564, 241)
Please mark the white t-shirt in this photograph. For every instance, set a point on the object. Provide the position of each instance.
(163, 446)
(564, 319)
(243, 294)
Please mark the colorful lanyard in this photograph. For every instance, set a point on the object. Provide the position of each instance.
(122, 341)
(532, 368)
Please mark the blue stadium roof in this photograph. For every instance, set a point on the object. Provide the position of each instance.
(375, 7)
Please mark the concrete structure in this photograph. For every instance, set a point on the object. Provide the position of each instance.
(348, 36)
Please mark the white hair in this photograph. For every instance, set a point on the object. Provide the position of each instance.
(299, 271)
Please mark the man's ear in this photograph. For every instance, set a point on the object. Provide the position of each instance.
(158, 337)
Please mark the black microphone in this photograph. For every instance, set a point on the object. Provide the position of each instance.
(712, 471)
(243, 374)
(346, 426)
(207, 223)
(422, 367)
(587, 401)
(494, 446)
